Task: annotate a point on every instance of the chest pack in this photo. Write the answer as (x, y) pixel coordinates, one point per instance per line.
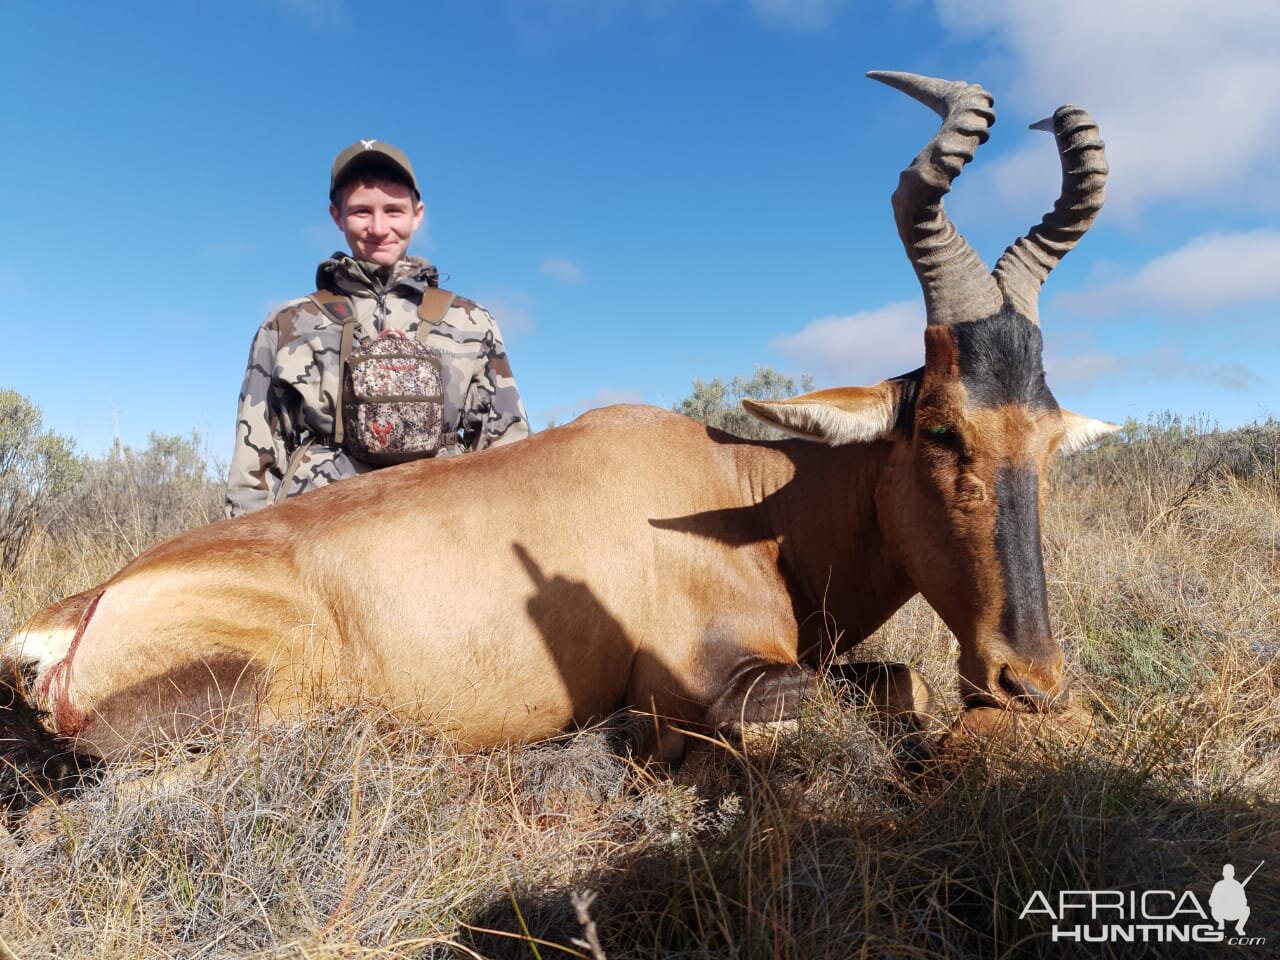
(390, 402)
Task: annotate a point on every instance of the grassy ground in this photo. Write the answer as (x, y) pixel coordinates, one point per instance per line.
(353, 835)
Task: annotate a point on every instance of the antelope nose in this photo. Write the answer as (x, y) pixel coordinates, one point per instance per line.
(1028, 693)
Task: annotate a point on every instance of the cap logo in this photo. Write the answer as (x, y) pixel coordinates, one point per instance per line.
(368, 144)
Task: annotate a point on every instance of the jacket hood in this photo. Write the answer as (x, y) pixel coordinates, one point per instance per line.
(342, 273)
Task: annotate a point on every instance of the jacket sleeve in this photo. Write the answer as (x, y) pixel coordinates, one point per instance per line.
(493, 413)
(260, 453)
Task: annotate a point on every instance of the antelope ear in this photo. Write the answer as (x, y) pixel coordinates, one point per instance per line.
(835, 416)
(1082, 431)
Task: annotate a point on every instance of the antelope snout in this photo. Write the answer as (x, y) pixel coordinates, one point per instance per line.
(1008, 678)
(1041, 690)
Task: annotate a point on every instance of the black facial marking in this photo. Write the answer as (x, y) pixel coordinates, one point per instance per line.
(1000, 362)
(907, 400)
(1025, 617)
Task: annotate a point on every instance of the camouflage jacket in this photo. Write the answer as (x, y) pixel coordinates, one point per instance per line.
(284, 429)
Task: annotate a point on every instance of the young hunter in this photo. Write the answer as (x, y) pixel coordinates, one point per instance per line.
(378, 365)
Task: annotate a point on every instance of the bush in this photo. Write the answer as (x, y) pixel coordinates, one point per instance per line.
(35, 468)
(134, 498)
(720, 405)
(105, 512)
(1170, 465)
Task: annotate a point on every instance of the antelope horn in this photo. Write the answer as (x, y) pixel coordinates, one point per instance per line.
(956, 284)
(1024, 266)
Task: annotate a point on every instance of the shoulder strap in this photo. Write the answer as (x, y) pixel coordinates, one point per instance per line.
(336, 306)
(291, 468)
(339, 309)
(436, 302)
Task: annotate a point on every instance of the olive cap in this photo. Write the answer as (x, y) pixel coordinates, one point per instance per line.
(373, 153)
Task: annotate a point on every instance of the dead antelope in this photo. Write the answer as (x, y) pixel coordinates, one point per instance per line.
(631, 558)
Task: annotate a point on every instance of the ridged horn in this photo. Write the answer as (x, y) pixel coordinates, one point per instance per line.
(1024, 266)
(957, 286)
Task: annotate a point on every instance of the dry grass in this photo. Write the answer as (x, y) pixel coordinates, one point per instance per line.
(354, 835)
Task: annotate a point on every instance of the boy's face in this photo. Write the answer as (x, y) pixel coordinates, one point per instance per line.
(378, 218)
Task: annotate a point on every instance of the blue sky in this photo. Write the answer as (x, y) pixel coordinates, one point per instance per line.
(642, 191)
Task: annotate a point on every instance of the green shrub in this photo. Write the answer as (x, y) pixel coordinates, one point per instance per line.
(133, 498)
(719, 404)
(36, 467)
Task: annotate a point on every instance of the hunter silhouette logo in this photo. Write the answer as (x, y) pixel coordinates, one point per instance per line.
(1228, 901)
(1147, 916)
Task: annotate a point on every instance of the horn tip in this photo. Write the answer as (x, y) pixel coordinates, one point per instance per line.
(1062, 113)
(886, 76)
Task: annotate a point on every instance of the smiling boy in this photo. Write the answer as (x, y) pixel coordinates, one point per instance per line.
(289, 428)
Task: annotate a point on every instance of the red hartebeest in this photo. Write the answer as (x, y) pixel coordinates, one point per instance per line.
(631, 558)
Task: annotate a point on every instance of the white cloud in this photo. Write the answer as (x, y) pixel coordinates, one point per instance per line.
(1211, 271)
(566, 271)
(1172, 363)
(864, 347)
(325, 15)
(1188, 98)
(604, 397)
(1088, 368)
(796, 14)
(229, 251)
(607, 396)
(323, 237)
(547, 22)
(1025, 181)
(512, 309)
(1162, 364)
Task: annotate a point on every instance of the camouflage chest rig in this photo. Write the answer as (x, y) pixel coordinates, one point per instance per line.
(390, 400)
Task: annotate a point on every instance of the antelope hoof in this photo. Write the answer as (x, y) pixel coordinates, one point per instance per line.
(900, 695)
